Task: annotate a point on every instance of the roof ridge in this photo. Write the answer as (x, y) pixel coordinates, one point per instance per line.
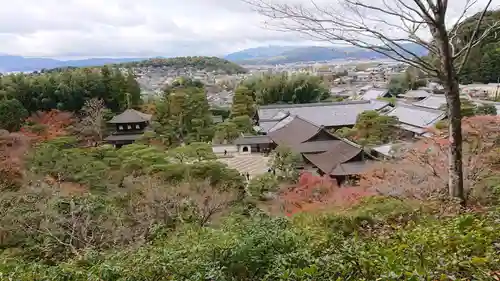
(423, 108)
(307, 121)
(270, 106)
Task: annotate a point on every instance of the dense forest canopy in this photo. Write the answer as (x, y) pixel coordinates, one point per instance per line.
(201, 63)
(284, 88)
(68, 89)
(483, 65)
(183, 114)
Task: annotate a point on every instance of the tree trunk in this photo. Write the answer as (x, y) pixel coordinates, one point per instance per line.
(452, 92)
(455, 169)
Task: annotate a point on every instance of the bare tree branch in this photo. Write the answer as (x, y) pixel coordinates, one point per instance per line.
(386, 27)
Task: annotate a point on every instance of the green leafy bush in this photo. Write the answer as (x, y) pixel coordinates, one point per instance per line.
(261, 248)
(262, 184)
(12, 115)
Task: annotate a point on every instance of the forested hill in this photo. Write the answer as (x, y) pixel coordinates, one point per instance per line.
(198, 63)
(484, 62)
(22, 64)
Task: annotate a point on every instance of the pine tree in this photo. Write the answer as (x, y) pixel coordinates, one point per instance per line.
(243, 104)
(184, 115)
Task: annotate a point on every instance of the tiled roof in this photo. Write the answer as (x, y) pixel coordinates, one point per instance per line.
(415, 118)
(264, 127)
(432, 101)
(130, 116)
(353, 168)
(329, 160)
(253, 140)
(374, 94)
(326, 155)
(416, 94)
(293, 130)
(323, 114)
(315, 146)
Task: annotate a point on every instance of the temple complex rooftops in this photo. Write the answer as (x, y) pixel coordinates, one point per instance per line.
(327, 114)
(330, 154)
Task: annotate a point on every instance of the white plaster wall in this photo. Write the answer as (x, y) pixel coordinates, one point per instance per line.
(219, 149)
(249, 151)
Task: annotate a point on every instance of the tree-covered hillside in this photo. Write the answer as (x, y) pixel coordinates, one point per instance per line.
(484, 62)
(201, 63)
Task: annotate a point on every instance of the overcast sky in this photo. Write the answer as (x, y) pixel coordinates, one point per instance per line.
(92, 28)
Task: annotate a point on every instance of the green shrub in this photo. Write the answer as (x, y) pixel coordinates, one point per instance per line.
(260, 185)
(12, 115)
(262, 248)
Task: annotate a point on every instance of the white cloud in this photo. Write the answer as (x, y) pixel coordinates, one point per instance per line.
(62, 28)
(130, 28)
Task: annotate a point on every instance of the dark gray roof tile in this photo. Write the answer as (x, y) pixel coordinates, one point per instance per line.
(253, 140)
(324, 114)
(432, 101)
(130, 116)
(374, 94)
(294, 131)
(416, 118)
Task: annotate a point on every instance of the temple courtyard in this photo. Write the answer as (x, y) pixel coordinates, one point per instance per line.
(253, 164)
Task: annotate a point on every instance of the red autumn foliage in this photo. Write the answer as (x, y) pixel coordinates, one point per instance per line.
(13, 147)
(313, 193)
(422, 171)
(48, 125)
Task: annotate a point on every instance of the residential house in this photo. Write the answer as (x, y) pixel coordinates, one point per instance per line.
(362, 76)
(490, 90)
(439, 101)
(339, 92)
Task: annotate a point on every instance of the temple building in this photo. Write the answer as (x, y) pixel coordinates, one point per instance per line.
(321, 151)
(129, 127)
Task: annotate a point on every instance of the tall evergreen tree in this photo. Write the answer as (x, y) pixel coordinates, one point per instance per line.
(183, 116)
(243, 103)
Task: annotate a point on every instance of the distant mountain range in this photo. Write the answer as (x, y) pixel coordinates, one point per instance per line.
(290, 54)
(10, 63)
(261, 55)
